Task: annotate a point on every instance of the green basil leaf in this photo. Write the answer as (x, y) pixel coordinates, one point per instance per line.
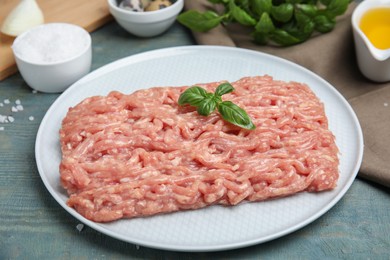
(223, 89)
(200, 22)
(282, 13)
(337, 7)
(192, 96)
(308, 9)
(323, 24)
(244, 4)
(240, 15)
(307, 30)
(304, 26)
(207, 102)
(295, 20)
(325, 2)
(261, 6)
(235, 115)
(265, 24)
(301, 18)
(284, 38)
(207, 106)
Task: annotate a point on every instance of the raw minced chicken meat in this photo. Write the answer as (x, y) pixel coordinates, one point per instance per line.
(142, 154)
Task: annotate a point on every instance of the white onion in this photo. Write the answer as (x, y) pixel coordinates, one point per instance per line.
(24, 16)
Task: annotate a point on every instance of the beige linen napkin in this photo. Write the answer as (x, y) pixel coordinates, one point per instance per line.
(332, 56)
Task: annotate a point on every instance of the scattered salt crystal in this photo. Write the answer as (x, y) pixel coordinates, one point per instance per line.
(34, 91)
(18, 107)
(1, 128)
(80, 227)
(3, 119)
(51, 43)
(385, 104)
(137, 247)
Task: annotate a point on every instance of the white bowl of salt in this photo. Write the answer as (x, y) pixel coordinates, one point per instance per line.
(52, 56)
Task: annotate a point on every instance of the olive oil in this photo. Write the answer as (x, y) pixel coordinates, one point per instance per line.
(375, 24)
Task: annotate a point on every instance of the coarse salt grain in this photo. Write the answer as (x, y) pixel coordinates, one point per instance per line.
(3, 119)
(79, 227)
(385, 104)
(1, 128)
(17, 108)
(51, 43)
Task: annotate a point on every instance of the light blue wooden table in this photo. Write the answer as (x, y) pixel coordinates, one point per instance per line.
(34, 226)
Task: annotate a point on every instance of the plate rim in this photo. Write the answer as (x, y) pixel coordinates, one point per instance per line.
(169, 51)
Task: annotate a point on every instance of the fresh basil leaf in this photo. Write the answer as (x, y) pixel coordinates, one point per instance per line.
(337, 7)
(223, 89)
(284, 38)
(265, 24)
(200, 22)
(207, 106)
(325, 2)
(244, 4)
(192, 96)
(282, 13)
(240, 15)
(308, 9)
(235, 115)
(207, 102)
(295, 19)
(323, 24)
(307, 30)
(261, 6)
(301, 18)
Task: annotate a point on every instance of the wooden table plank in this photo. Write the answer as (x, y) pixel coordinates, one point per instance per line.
(34, 226)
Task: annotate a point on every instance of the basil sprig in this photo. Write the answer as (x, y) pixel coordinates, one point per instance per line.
(283, 22)
(207, 102)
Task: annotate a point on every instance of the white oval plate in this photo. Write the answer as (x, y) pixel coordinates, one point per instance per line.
(217, 227)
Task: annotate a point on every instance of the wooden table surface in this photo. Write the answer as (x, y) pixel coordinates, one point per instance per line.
(34, 226)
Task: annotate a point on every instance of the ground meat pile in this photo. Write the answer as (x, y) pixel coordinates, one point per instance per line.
(142, 154)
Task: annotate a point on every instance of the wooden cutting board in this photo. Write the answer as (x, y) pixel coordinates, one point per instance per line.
(89, 14)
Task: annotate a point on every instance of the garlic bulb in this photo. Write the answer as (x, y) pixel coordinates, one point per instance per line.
(24, 16)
